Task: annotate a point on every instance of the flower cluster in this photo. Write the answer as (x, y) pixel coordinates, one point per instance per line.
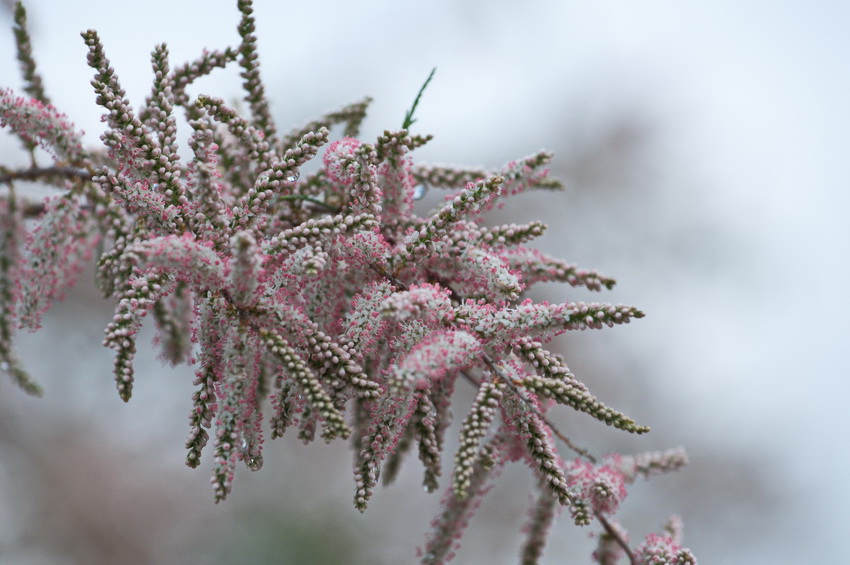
(321, 302)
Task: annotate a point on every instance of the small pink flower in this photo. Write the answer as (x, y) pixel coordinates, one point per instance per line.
(662, 550)
(602, 487)
(338, 158)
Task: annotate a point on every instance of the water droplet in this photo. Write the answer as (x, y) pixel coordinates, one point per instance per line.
(419, 191)
(293, 176)
(4, 365)
(254, 463)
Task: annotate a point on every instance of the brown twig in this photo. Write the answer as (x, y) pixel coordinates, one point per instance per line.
(611, 531)
(314, 201)
(38, 173)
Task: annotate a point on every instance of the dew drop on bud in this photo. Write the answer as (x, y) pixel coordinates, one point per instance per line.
(419, 191)
(293, 176)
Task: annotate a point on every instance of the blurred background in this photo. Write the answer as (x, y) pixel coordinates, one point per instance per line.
(705, 150)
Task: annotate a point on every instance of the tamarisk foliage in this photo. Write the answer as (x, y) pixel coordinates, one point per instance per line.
(321, 303)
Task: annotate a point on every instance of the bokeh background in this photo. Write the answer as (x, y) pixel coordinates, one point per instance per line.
(705, 149)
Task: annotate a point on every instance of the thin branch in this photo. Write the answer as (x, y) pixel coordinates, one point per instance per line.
(310, 200)
(471, 380)
(611, 531)
(537, 412)
(39, 173)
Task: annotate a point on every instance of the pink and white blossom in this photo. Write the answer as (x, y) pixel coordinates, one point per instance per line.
(326, 294)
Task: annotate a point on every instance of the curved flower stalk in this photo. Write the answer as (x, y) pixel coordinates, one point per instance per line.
(328, 295)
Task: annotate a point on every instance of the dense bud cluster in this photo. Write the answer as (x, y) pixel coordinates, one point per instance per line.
(317, 302)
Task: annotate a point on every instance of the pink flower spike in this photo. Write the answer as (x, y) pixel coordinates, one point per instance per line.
(35, 122)
(603, 487)
(439, 354)
(429, 302)
(661, 550)
(306, 285)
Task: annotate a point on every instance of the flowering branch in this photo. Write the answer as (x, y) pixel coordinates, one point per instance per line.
(328, 295)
